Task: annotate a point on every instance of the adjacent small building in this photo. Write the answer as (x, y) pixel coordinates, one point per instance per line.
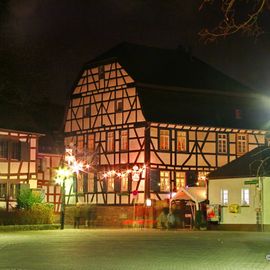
(18, 153)
(241, 190)
(28, 158)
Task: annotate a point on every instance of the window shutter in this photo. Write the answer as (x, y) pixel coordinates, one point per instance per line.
(192, 178)
(155, 180)
(117, 184)
(95, 183)
(25, 151)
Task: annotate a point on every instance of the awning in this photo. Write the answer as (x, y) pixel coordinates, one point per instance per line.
(196, 194)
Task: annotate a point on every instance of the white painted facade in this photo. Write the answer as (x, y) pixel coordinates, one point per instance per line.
(259, 200)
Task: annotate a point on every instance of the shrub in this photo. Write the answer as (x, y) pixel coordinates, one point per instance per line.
(27, 198)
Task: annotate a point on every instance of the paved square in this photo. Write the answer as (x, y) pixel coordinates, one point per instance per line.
(117, 249)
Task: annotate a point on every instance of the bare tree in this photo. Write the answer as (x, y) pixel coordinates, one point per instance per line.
(238, 16)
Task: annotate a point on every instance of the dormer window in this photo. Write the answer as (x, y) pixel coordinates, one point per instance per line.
(238, 114)
(101, 72)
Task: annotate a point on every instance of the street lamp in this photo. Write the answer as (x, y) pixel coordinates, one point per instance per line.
(62, 174)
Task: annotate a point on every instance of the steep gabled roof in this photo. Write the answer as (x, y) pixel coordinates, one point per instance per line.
(179, 89)
(169, 67)
(252, 164)
(15, 117)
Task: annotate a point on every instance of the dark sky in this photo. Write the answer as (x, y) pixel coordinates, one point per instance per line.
(45, 42)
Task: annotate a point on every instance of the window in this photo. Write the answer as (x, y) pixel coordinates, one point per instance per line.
(124, 182)
(165, 181)
(3, 190)
(14, 191)
(180, 180)
(164, 139)
(110, 183)
(181, 141)
(110, 141)
(119, 106)
(14, 149)
(202, 179)
(87, 111)
(90, 182)
(238, 114)
(124, 140)
(91, 142)
(224, 197)
(3, 148)
(245, 196)
(222, 143)
(242, 145)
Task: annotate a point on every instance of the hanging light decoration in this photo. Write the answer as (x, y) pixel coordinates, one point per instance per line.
(135, 172)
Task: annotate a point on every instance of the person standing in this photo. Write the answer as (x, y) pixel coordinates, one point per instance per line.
(77, 216)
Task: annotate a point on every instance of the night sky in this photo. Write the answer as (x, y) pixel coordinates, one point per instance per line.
(44, 43)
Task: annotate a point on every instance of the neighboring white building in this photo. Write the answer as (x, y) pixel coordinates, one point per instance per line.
(241, 188)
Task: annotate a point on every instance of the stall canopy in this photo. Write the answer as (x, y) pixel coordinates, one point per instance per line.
(195, 194)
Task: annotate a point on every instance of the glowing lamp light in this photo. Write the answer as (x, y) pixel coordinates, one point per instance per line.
(62, 174)
(135, 168)
(148, 202)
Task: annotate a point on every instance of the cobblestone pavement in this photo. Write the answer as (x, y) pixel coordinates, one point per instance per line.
(134, 249)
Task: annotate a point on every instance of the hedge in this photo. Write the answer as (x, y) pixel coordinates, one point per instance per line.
(38, 214)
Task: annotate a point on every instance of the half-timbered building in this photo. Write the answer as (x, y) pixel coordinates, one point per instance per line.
(18, 151)
(155, 120)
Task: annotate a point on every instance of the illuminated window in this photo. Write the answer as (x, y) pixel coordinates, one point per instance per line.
(3, 190)
(165, 181)
(242, 144)
(224, 197)
(110, 141)
(222, 143)
(14, 191)
(91, 142)
(202, 178)
(124, 182)
(110, 183)
(164, 139)
(181, 141)
(180, 180)
(245, 196)
(90, 182)
(124, 139)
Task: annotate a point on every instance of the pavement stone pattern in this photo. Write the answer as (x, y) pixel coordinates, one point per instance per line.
(133, 249)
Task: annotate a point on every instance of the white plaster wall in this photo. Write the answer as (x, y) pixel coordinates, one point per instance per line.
(247, 214)
(266, 200)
